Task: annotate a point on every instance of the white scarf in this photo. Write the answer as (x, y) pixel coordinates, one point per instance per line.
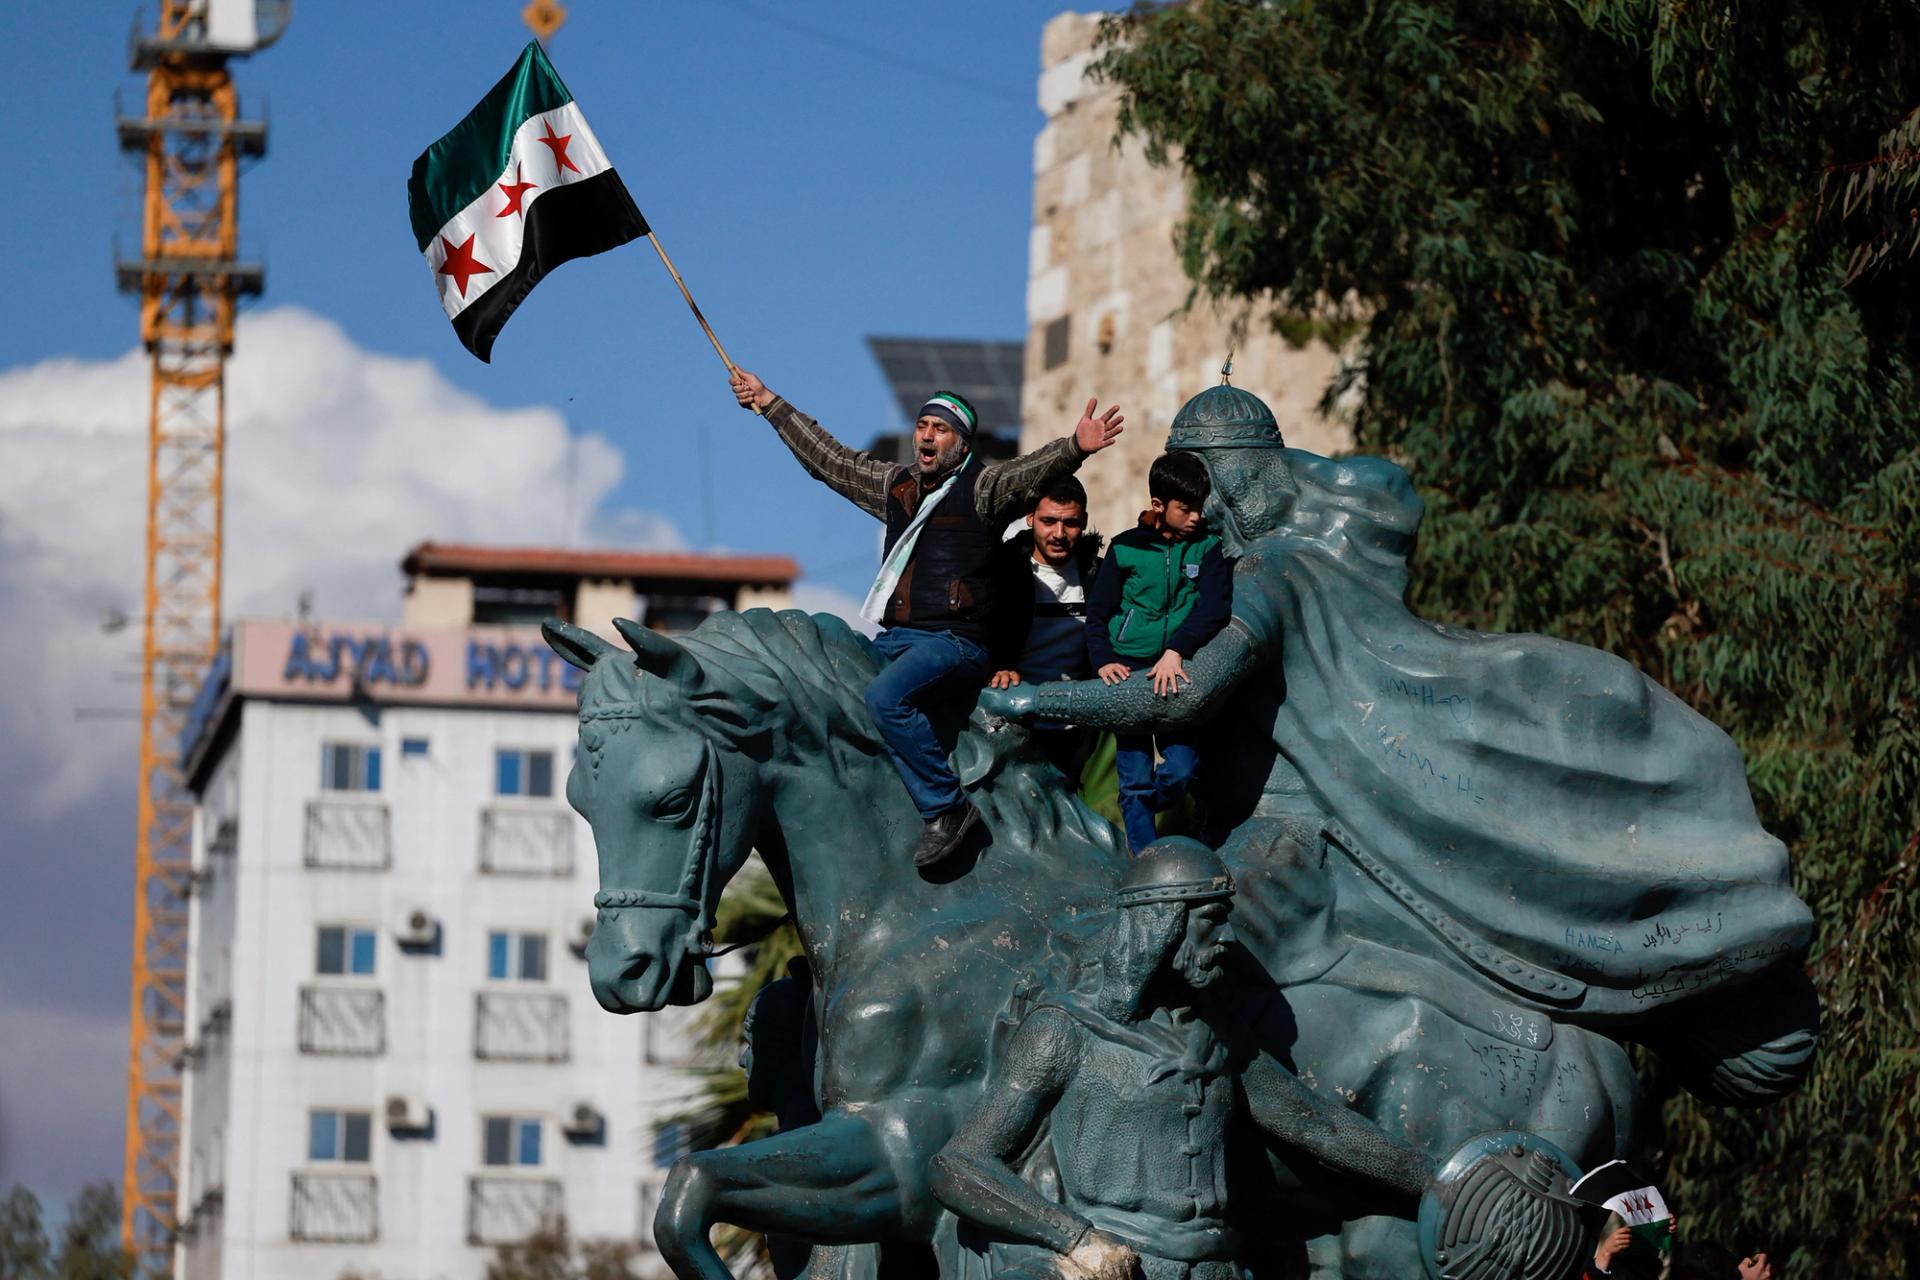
(874, 607)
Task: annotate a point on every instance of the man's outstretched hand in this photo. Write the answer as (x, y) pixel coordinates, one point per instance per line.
(750, 391)
(1094, 434)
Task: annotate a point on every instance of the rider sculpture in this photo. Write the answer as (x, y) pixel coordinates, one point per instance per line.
(1539, 814)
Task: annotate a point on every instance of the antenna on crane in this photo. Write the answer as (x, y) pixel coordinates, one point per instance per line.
(189, 278)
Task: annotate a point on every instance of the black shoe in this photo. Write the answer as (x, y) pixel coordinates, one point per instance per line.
(944, 834)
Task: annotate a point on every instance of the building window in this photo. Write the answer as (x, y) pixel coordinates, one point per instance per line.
(344, 949)
(516, 957)
(511, 1140)
(522, 773)
(340, 1136)
(413, 748)
(349, 767)
(669, 1144)
(1054, 344)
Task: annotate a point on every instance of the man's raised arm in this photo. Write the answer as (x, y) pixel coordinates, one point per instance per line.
(1008, 489)
(854, 474)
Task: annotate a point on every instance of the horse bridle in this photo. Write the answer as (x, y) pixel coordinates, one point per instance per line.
(693, 877)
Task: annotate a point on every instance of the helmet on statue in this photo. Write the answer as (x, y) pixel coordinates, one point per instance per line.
(1225, 417)
(1176, 869)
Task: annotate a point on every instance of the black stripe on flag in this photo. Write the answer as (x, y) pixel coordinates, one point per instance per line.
(572, 221)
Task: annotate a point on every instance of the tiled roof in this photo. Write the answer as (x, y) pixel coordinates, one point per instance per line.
(462, 559)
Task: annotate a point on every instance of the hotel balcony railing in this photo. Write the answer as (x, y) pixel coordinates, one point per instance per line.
(343, 1020)
(348, 835)
(335, 1208)
(520, 1026)
(526, 842)
(502, 1210)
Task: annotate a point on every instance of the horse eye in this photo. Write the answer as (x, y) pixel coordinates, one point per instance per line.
(674, 806)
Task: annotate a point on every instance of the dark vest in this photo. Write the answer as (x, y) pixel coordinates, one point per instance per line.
(949, 583)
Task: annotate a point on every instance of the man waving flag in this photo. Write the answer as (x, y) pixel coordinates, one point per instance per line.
(517, 188)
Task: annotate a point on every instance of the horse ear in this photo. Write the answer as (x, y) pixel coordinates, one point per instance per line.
(579, 647)
(657, 655)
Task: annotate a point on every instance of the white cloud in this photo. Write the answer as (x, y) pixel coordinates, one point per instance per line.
(338, 460)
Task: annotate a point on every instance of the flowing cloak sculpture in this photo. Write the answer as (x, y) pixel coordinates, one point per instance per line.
(1573, 809)
(1566, 826)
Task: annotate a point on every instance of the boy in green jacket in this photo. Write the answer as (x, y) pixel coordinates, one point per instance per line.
(1164, 592)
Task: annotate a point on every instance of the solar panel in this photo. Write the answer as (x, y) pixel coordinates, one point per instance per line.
(986, 373)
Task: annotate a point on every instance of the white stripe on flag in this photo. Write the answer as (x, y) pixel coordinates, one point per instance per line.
(496, 240)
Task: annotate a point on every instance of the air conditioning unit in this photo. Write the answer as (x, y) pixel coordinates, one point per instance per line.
(408, 1114)
(419, 929)
(582, 936)
(583, 1120)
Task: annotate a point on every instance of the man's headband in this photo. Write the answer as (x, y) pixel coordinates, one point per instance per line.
(952, 410)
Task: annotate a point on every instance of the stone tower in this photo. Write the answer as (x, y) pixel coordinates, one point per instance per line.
(1105, 292)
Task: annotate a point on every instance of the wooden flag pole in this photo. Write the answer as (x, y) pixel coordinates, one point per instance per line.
(691, 304)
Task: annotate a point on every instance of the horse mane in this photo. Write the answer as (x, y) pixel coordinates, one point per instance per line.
(808, 674)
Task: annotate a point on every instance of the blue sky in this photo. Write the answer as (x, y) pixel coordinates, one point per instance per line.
(813, 189)
(820, 172)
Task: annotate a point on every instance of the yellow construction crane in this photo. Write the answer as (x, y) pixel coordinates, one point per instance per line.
(189, 279)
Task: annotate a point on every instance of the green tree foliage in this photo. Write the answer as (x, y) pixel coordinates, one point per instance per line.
(89, 1247)
(1599, 252)
(721, 1113)
(24, 1252)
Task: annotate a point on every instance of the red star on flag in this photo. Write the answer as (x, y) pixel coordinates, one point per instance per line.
(461, 264)
(559, 148)
(514, 191)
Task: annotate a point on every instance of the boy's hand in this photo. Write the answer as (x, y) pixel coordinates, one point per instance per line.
(1094, 434)
(1004, 680)
(1115, 672)
(1168, 672)
(1756, 1268)
(750, 391)
(1612, 1247)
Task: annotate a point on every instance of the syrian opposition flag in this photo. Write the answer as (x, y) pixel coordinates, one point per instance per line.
(1616, 1185)
(517, 188)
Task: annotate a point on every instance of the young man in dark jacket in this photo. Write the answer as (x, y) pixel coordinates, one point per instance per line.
(935, 595)
(1043, 618)
(1164, 591)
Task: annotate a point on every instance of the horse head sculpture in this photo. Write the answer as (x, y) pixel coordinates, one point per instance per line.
(672, 821)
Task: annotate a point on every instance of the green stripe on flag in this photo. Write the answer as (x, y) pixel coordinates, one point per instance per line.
(457, 170)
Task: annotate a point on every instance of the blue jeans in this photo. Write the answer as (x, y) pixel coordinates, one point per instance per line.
(1145, 790)
(926, 671)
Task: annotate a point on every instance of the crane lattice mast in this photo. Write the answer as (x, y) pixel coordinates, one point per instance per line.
(189, 280)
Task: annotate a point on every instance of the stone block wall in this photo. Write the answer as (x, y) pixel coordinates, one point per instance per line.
(1105, 294)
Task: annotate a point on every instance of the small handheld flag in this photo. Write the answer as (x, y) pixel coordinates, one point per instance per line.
(518, 187)
(1616, 1186)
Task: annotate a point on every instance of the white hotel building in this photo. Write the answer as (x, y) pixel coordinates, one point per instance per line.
(395, 1062)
